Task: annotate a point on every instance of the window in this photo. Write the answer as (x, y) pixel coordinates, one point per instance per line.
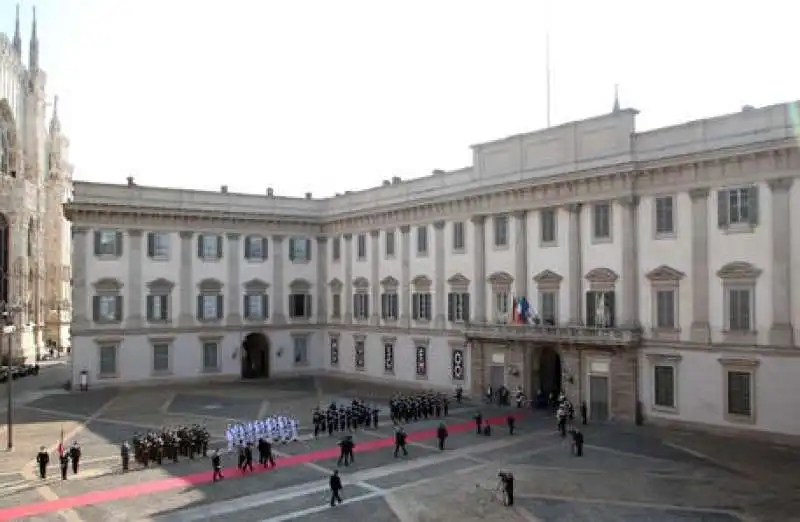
(389, 238)
(459, 244)
(739, 310)
(210, 307)
(300, 306)
(388, 355)
(458, 307)
(601, 221)
(739, 279)
(664, 386)
(107, 308)
(548, 309)
(161, 358)
(421, 302)
(158, 245)
(547, 226)
(209, 247)
(300, 350)
(665, 216)
(359, 355)
(501, 304)
(600, 309)
(336, 250)
(422, 240)
(336, 305)
(737, 207)
(500, 231)
(361, 305)
(739, 393)
(157, 308)
(665, 309)
(299, 250)
(361, 247)
(108, 360)
(210, 356)
(389, 306)
(255, 248)
(107, 243)
(256, 306)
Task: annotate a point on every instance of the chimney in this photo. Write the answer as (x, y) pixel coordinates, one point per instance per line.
(396, 180)
(438, 171)
(308, 195)
(270, 192)
(386, 183)
(224, 189)
(747, 108)
(131, 182)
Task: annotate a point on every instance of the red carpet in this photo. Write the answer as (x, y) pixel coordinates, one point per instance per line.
(110, 495)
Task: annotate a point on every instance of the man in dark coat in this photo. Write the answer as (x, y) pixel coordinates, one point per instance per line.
(336, 488)
(441, 434)
(42, 459)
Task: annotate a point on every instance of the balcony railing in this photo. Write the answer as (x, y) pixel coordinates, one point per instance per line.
(554, 334)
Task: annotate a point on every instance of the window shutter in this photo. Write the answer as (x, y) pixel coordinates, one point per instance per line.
(118, 308)
(151, 244)
(164, 307)
(291, 249)
(465, 306)
(200, 307)
(415, 306)
(366, 307)
(219, 247)
(247, 252)
(200, 241)
(97, 242)
(246, 306)
(264, 246)
(264, 303)
(752, 201)
(308, 250)
(96, 308)
(591, 308)
(451, 306)
(308, 305)
(384, 306)
(722, 208)
(220, 306)
(149, 304)
(118, 244)
(611, 308)
(291, 305)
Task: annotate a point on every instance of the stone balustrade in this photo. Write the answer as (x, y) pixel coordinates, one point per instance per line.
(553, 334)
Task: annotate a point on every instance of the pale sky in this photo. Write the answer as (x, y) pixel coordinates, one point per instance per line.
(332, 95)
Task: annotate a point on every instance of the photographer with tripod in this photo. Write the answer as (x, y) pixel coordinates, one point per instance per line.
(506, 485)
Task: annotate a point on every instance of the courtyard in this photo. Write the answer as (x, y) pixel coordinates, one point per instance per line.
(627, 473)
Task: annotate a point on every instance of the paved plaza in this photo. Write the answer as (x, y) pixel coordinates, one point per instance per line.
(627, 473)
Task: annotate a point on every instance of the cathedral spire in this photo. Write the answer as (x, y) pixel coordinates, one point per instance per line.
(17, 44)
(616, 98)
(55, 123)
(33, 57)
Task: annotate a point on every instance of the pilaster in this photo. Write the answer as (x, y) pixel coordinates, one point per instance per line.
(575, 281)
(234, 293)
(439, 276)
(187, 290)
(479, 262)
(781, 332)
(133, 308)
(348, 279)
(630, 270)
(80, 284)
(322, 279)
(521, 253)
(405, 276)
(700, 330)
(279, 294)
(374, 284)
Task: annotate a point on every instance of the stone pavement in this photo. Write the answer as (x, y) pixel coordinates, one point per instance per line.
(627, 473)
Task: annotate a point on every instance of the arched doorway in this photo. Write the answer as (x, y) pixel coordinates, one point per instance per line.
(550, 371)
(255, 356)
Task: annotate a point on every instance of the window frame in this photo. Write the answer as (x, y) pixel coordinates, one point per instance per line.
(500, 232)
(543, 241)
(206, 342)
(336, 249)
(742, 366)
(300, 339)
(154, 245)
(389, 360)
(99, 243)
(262, 244)
(665, 360)
(459, 229)
(422, 241)
(739, 276)
(161, 342)
(114, 345)
(658, 233)
(204, 250)
(389, 240)
(597, 209)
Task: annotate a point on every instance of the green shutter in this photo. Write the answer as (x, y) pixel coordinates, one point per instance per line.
(752, 201)
(722, 209)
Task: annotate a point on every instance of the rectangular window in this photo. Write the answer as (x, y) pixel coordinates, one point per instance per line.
(361, 306)
(389, 306)
(361, 247)
(458, 307)
(157, 308)
(107, 308)
(158, 245)
(389, 238)
(501, 231)
(300, 306)
(422, 240)
(421, 302)
(664, 386)
(501, 304)
(601, 221)
(336, 250)
(740, 394)
(665, 309)
(108, 243)
(255, 248)
(738, 206)
(336, 305)
(739, 314)
(458, 236)
(600, 309)
(209, 247)
(547, 223)
(161, 358)
(299, 249)
(256, 306)
(665, 216)
(210, 356)
(209, 307)
(422, 361)
(300, 350)
(548, 312)
(108, 360)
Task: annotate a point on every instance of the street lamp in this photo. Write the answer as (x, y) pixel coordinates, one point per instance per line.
(7, 312)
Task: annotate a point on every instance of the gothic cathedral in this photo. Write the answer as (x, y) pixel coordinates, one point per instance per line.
(35, 181)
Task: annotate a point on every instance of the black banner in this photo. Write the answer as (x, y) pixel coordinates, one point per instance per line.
(334, 351)
(457, 364)
(359, 353)
(388, 357)
(422, 361)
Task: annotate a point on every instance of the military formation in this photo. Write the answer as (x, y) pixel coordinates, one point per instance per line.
(405, 408)
(169, 444)
(345, 417)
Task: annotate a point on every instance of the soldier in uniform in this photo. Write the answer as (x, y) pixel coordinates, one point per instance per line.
(64, 461)
(400, 443)
(42, 459)
(317, 419)
(248, 457)
(441, 434)
(216, 464)
(125, 454)
(75, 456)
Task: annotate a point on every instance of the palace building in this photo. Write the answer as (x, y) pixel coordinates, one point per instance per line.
(659, 271)
(35, 182)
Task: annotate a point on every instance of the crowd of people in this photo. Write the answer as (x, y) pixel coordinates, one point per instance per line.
(411, 407)
(167, 444)
(275, 428)
(344, 417)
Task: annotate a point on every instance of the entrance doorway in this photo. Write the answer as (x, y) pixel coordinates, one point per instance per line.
(255, 356)
(550, 372)
(497, 377)
(598, 398)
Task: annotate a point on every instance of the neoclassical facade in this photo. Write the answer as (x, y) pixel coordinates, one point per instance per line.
(35, 181)
(659, 265)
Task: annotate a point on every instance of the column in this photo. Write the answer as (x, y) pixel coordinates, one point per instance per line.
(279, 292)
(348, 278)
(521, 253)
(322, 279)
(405, 276)
(374, 283)
(781, 333)
(700, 330)
(440, 303)
(80, 285)
(479, 262)
(135, 286)
(187, 290)
(233, 307)
(630, 270)
(575, 280)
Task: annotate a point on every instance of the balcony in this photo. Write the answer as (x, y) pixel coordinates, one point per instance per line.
(554, 334)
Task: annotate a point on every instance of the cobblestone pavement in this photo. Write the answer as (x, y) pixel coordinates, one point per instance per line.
(626, 473)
